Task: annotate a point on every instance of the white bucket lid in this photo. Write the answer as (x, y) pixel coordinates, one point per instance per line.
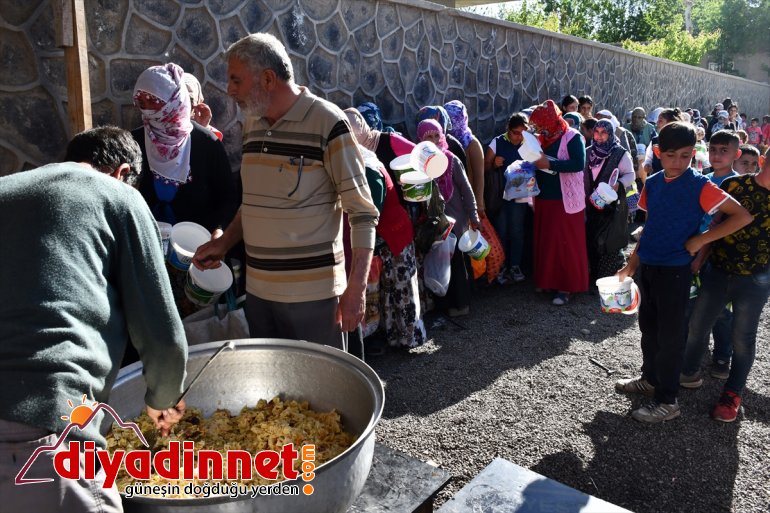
(213, 280)
(611, 284)
(401, 163)
(188, 236)
(436, 165)
(415, 178)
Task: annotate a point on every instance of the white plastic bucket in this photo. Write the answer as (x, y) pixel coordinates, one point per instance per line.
(416, 186)
(185, 239)
(530, 150)
(401, 165)
(428, 158)
(473, 243)
(618, 296)
(165, 235)
(204, 287)
(603, 195)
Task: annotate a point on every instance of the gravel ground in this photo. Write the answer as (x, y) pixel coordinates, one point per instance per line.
(515, 381)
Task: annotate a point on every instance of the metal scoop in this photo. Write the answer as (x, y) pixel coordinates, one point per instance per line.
(230, 344)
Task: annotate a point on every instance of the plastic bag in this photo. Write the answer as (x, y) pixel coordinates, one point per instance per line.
(214, 323)
(437, 268)
(520, 181)
(372, 315)
(479, 268)
(496, 257)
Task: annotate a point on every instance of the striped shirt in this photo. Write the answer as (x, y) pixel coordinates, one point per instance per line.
(298, 176)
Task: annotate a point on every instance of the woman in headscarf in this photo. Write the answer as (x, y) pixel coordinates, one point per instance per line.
(186, 174)
(399, 293)
(561, 261)
(608, 162)
(474, 152)
(461, 205)
(373, 116)
(625, 136)
(573, 119)
(387, 146)
(439, 113)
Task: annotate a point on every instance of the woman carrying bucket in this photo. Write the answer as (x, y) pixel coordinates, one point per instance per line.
(461, 205)
(186, 173)
(608, 173)
(561, 262)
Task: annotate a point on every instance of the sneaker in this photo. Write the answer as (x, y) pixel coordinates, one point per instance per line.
(637, 234)
(691, 381)
(727, 407)
(561, 298)
(655, 412)
(502, 278)
(459, 312)
(720, 369)
(635, 386)
(516, 274)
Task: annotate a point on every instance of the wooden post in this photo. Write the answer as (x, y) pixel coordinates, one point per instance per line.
(72, 25)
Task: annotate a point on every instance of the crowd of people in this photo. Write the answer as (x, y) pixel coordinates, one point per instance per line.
(321, 221)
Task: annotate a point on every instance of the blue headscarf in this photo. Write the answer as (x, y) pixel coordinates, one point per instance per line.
(372, 115)
(438, 113)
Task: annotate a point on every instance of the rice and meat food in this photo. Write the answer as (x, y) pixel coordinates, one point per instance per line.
(268, 426)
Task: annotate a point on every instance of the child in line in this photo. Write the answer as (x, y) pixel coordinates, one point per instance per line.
(738, 272)
(766, 130)
(748, 162)
(676, 201)
(723, 152)
(755, 133)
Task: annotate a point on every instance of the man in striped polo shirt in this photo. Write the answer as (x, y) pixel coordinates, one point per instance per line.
(301, 168)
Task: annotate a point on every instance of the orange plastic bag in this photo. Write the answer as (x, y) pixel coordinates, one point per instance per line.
(479, 268)
(496, 257)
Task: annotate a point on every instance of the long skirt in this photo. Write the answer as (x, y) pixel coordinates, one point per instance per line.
(400, 298)
(561, 259)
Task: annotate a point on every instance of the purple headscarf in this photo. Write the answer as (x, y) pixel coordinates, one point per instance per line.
(431, 126)
(458, 115)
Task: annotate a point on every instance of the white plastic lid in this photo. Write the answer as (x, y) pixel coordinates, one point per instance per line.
(415, 178)
(401, 163)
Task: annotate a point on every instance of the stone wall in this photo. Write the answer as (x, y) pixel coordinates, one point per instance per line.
(400, 54)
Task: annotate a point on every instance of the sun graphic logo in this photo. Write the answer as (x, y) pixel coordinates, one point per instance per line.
(81, 413)
(80, 417)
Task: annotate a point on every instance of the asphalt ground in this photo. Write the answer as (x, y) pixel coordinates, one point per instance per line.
(514, 379)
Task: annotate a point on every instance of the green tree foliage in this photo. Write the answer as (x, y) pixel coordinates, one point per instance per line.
(678, 45)
(722, 27)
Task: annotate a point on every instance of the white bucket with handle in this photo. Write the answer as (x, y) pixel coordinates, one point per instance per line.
(473, 243)
(428, 158)
(184, 241)
(603, 195)
(618, 296)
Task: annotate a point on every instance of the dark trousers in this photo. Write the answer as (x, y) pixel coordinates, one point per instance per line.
(459, 292)
(314, 321)
(665, 292)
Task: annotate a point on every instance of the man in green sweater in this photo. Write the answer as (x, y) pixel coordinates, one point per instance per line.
(82, 271)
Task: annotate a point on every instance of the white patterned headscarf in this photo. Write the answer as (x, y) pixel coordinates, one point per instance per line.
(167, 131)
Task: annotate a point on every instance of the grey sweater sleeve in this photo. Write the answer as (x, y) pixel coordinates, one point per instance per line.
(151, 317)
(463, 187)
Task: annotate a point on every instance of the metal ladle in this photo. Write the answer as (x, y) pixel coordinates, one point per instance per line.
(230, 344)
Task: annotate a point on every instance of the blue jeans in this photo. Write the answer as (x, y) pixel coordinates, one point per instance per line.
(722, 332)
(510, 228)
(748, 295)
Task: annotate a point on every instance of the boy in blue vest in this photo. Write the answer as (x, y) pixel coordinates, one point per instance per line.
(675, 199)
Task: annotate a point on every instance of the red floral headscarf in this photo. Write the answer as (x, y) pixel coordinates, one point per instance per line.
(548, 118)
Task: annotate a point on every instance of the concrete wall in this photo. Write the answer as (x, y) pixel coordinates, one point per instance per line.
(401, 54)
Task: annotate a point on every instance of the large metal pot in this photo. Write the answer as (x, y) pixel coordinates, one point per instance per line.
(261, 369)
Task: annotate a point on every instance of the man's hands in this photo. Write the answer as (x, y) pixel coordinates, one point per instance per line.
(351, 308)
(164, 419)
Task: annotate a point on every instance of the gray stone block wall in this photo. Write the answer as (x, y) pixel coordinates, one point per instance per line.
(399, 54)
